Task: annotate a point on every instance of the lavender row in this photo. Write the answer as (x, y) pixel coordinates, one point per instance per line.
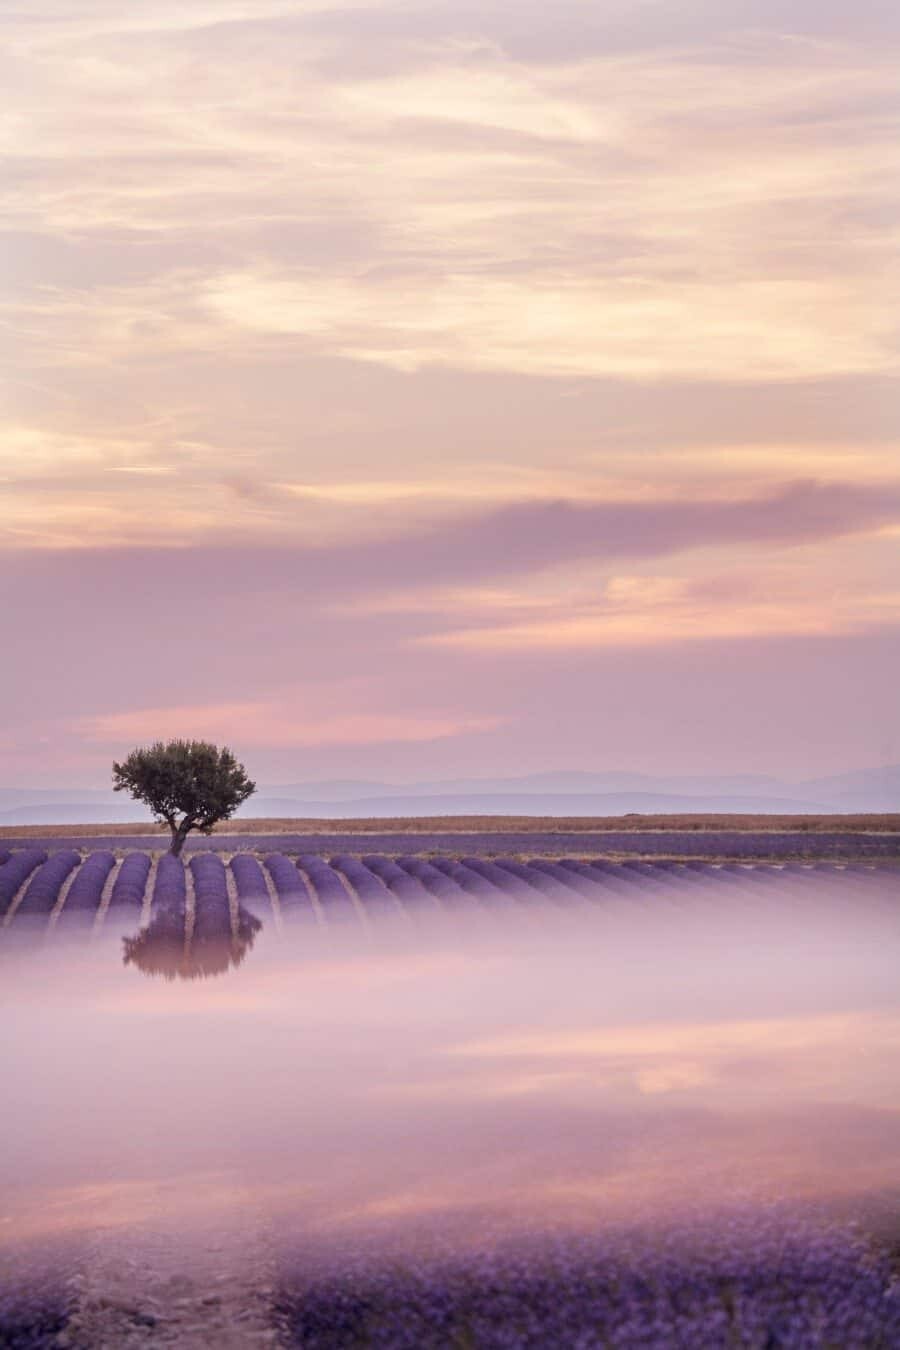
(131, 882)
(249, 880)
(407, 888)
(369, 888)
(448, 893)
(87, 888)
(43, 889)
(293, 896)
(738, 844)
(15, 870)
(212, 914)
(170, 887)
(329, 889)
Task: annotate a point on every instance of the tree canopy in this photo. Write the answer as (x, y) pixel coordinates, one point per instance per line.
(188, 785)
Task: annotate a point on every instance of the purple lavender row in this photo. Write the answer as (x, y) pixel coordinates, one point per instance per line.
(14, 872)
(5, 856)
(601, 883)
(448, 893)
(371, 890)
(293, 897)
(516, 887)
(131, 882)
(467, 880)
(407, 888)
(170, 887)
(566, 887)
(250, 884)
(544, 886)
(212, 913)
(327, 885)
(87, 888)
(43, 889)
(747, 845)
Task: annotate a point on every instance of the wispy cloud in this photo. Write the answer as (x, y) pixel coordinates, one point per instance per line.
(543, 324)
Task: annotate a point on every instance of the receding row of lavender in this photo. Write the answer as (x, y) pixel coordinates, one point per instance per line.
(847, 845)
(67, 883)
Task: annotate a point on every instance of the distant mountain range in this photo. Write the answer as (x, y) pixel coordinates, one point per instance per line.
(541, 794)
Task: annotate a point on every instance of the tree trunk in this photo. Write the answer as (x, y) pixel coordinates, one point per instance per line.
(179, 834)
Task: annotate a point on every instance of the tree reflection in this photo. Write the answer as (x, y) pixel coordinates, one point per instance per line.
(170, 947)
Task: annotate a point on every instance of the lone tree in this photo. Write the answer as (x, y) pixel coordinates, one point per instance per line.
(189, 785)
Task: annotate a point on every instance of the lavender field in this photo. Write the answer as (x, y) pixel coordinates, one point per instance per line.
(66, 885)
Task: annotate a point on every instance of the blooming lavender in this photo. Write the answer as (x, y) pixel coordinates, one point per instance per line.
(43, 889)
(447, 891)
(855, 848)
(505, 881)
(210, 892)
(249, 880)
(87, 888)
(765, 1281)
(371, 890)
(328, 886)
(578, 886)
(131, 882)
(538, 881)
(13, 872)
(407, 888)
(470, 882)
(293, 897)
(170, 888)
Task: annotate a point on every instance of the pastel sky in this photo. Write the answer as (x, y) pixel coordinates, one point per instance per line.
(410, 388)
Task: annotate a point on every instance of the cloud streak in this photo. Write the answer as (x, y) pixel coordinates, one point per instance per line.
(531, 536)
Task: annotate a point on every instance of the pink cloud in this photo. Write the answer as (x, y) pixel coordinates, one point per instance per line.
(280, 724)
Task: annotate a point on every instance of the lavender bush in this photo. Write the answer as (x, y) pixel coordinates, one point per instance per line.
(170, 888)
(447, 891)
(131, 882)
(44, 887)
(406, 887)
(14, 871)
(370, 889)
(87, 888)
(327, 884)
(290, 888)
(249, 880)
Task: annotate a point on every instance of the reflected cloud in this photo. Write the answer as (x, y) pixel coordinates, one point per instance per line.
(574, 1069)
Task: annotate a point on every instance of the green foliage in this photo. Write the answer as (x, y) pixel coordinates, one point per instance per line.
(189, 785)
